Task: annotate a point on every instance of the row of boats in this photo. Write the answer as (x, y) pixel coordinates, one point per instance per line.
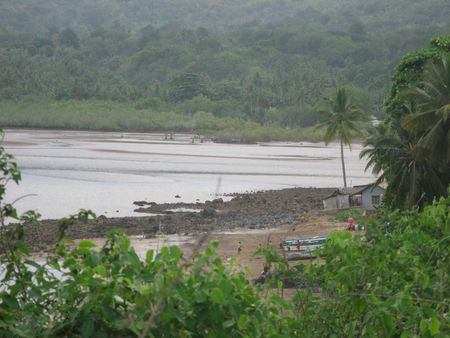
(302, 247)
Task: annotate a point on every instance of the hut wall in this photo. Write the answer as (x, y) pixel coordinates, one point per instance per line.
(371, 195)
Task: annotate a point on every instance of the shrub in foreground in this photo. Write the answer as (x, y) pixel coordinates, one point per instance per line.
(392, 282)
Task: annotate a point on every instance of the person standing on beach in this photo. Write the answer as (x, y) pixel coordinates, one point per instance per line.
(239, 247)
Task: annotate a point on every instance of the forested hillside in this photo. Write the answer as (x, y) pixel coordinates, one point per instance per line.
(267, 61)
(379, 15)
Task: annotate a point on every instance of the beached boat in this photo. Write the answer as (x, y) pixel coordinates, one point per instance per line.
(293, 253)
(304, 241)
(302, 247)
(297, 255)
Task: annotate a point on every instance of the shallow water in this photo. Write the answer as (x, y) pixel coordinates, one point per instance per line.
(65, 171)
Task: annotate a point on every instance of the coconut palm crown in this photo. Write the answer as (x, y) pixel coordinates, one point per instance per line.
(398, 159)
(431, 113)
(342, 120)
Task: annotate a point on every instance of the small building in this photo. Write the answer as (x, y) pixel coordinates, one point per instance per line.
(365, 196)
(370, 195)
(340, 199)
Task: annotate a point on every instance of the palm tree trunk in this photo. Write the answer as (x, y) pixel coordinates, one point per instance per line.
(343, 164)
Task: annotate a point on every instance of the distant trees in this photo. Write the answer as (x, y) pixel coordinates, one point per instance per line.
(357, 30)
(273, 74)
(147, 35)
(37, 15)
(69, 38)
(186, 86)
(342, 120)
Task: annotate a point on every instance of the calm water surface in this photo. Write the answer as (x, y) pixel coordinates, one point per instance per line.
(106, 172)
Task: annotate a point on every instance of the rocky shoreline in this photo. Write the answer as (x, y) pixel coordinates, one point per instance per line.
(266, 209)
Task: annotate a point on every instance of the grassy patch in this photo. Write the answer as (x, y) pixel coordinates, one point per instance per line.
(114, 116)
(343, 215)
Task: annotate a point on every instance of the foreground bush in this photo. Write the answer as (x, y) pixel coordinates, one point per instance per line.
(112, 292)
(393, 283)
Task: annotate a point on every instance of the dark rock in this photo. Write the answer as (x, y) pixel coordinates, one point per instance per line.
(260, 210)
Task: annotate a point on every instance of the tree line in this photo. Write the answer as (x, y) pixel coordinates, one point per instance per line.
(377, 15)
(274, 75)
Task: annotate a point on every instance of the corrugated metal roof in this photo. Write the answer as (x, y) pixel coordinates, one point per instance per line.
(343, 191)
(348, 191)
(361, 188)
(357, 189)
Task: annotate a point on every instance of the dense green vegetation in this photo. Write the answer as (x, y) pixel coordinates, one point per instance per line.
(410, 150)
(119, 116)
(379, 15)
(342, 216)
(392, 283)
(247, 70)
(266, 61)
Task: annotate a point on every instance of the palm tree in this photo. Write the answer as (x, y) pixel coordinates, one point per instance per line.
(343, 120)
(412, 179)
(431, 116)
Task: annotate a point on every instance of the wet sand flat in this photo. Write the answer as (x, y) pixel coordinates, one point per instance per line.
(106, 172)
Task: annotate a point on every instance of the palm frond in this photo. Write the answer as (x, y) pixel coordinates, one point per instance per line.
(419, 122)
